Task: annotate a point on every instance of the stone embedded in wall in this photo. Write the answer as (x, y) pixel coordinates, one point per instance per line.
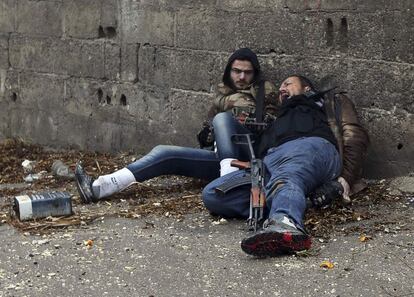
(326, 33)
(82, 96)
(366, 35)
(135, 113)
(398, 37)
(315, 68)
(4, 119)
(194, 105)
(129, 62)
(112, 61)
(146, 63)
(391, 136)
(109, 13)
(10, 86)
(3, 76)
(381, 84)
(251, 6)
(39, 18)
(82, 18)
(338, 5)
(103, 133)
(68, 57)
(73, 132)
(33, 107)
(315, 34)
(318, 67)
(276, 68)
(147, 26)
(192, 70)
(35, 125)
(117, 101)
(171, 5)
(376, 5)
(268, 32)
(301, 6)
(5, 131)
(207, 30)
(4, 52)
(186, 69)
(40, 91)
(7, 15)
(89, 103)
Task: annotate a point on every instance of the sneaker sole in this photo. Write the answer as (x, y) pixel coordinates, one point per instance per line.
(270, 244)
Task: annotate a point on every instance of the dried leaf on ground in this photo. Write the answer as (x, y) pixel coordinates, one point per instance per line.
(327, 264)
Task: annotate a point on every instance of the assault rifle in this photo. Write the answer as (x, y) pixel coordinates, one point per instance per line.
(257, 176)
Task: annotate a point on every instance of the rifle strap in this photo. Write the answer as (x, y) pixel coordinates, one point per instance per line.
(260, 98)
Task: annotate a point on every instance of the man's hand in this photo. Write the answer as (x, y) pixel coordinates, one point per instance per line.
(345, 195)
(241, 117)
(205, 135)
(326, 194)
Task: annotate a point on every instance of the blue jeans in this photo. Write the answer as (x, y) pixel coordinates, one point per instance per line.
(225, 125)
(192, 162)
(295, 168)
(168, 159)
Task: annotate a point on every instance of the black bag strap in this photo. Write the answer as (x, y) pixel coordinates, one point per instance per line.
(260, 98)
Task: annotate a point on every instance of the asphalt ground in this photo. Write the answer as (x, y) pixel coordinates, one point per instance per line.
(198, 256)
(157, 239)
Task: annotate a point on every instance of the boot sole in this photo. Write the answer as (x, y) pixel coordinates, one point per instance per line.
(81, 192)
(271, 244)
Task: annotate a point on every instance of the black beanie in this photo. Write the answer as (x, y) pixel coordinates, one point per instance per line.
(244, 54)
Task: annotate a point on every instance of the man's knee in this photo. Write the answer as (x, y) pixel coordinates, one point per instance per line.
(222, 117)
(210, 199)
(283, 186)
(163, 151)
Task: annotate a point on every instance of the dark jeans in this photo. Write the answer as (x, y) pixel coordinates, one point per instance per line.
(169, 159)
(300, 165)
(225, 126)
(193, 162)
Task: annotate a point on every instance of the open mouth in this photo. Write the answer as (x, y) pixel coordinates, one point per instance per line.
(283, 95)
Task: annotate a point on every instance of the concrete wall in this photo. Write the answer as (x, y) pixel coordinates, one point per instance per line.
(129, 74)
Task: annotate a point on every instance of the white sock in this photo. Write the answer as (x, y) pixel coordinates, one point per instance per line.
(225, 167)
(109, 184)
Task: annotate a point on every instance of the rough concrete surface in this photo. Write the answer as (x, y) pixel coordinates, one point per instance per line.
(160, 256)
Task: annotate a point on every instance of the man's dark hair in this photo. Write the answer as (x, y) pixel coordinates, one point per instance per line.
(243, 54)
(305, 82)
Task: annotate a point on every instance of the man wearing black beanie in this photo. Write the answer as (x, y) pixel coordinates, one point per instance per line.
(243, 93)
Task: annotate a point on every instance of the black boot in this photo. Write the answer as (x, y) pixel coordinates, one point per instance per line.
(280, 236)
(84, 184)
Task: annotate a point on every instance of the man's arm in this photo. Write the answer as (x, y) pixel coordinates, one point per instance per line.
(355, 141)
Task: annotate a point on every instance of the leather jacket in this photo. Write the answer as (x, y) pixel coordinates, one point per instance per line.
(352, 138)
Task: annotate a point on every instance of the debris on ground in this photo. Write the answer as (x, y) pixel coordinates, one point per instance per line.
(171, 196)
(327, 264)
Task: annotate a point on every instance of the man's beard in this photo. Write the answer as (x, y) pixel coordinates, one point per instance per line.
(241, 85)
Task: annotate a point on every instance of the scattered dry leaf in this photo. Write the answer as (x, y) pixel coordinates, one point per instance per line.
(364, 238)
(327, 264)
(88, 243)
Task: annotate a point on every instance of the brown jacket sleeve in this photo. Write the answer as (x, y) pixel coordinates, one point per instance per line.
(355, 140)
